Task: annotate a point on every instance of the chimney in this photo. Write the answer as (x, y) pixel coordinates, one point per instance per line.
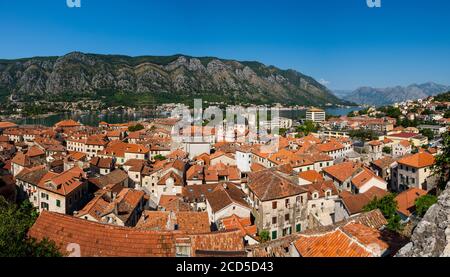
(225, 186)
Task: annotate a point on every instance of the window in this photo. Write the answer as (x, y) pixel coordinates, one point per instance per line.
(286, 217)
(286, 203)
(44, 206)
(274, 220)
(274, 234)
(183, 250)
(298, 228)
(274, 205)
(58, 203)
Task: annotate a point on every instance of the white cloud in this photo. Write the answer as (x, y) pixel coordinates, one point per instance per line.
(324, 82)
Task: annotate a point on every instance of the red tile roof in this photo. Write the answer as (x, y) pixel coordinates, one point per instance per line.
(356, 202)
(363, 177)
(35, 151)
(189, 222)
(235, 222)
(101, 240)
(406, 200)
(311, 176)
(270, 185)
(67, 124)
(342, 171)
(418, 160)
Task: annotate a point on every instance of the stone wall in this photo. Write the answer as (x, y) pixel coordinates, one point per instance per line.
(431, 237)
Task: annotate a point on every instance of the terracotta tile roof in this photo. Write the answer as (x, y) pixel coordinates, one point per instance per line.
(375, 143)
(384, 162)
(98, 140)
(342, 171)
(404, 135)
(195, 172)
(311, 176)
(270, 185)
(321, 187)
(214, 173)
(235, 222)
(369, 237)
(101, 162)
(405, 143)
(255, 167)
(197, 193)
(63, 183)
(189, 222)
(418, 160)
(224, 195)
(356, 202)
(363, 177)
(177, 154)
(122, 204)
(115, 148)
(330, 146)
(35, 151)
(32, 175)
(102, 240)
(77, 156)
(21, 159)
(67, 124)
(277, 248)
(136, 148)
(177, 179)
(173, 203)
(406, 200)
(218, 244)
(4, 125)
(333, 244)
(114, 177)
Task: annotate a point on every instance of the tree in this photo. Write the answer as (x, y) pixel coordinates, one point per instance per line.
(159, 157)
(442, 166)
(423, 203)
(264, 235)
(387, 150)
(283, 131)
(447, 114)
(391, 111)
(363, 134)
(388, 207)
(307, 128)
(427, 133)
(15, 221)
(136, 128)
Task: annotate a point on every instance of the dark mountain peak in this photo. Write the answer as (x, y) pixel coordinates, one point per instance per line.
(390, 95)
(165, 78)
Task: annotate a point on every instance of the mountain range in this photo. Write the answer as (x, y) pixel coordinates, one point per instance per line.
(120, 79)
(390, 95)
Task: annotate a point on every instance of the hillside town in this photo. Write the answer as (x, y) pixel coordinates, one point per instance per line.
(139, 189)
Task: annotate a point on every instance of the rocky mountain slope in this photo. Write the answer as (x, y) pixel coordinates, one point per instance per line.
(431, 237)
(164, 79)
(386, 96)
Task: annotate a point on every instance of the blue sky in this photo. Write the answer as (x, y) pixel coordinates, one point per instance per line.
(342, 42)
